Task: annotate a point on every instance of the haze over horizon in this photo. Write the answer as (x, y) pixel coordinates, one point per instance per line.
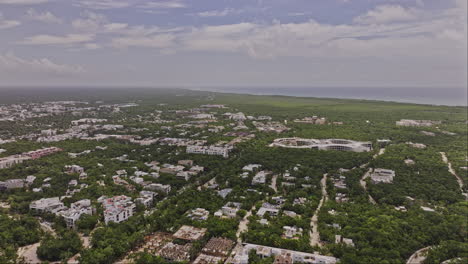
(190, 44)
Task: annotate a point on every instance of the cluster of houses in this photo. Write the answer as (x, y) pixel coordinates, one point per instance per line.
(17, 183)
(55, 206)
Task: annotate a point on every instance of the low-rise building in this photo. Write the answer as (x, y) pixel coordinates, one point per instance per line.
(242, 255)
(417, 123)
(218, 247)
(323, 144)
(229, 210)
(382, 176)
(198, 214)
(292, 232)
(260, 178)
(175, 253)
(47, 205)
(190, 233)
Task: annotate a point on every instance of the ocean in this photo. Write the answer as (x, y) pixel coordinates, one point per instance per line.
(432, 96)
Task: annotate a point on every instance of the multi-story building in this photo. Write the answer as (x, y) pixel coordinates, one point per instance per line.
(159, 187)
(117, 209)
(49, 205)
(146, 198)
(323, 144)
(76, 210)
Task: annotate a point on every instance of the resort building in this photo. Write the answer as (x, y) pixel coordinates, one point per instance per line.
(323, 144)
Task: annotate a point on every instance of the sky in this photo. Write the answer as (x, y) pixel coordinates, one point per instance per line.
(200, 43)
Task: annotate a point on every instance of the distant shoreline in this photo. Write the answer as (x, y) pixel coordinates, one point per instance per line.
(416, 95)
(426, 96)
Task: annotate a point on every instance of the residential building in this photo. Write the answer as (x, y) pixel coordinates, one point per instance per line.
(229, 210)
(76, 210)
(47, 205)
(190, 233)
(117, 209)
(198, 214)
(382, 176)
(292, 232)
(146, 198)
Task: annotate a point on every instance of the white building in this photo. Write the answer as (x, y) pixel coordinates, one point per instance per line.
(323, 144)
(259, 178)
(291, 232)
(417, 123)
(242, 255)
(76, 210)
(229, 210)
(159, 187)
(49, 205)
(117, 209)
(209, 150)
(146, 198)
(382, 176)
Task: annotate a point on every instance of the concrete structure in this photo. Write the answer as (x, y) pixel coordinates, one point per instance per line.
(323, 144)
(218, 247)
(166, 189)
(41, 152)
(76, 210)
(382, 176)
(292, 232)
(312, 120)
(209, 150)
(242, 255)
(229, 210)
(117, 209)
(47, 205)
(260, 178)
(417, 123)
(190, 233)
(175, 253)
(146, 198)
(198, 214)
(9, 161)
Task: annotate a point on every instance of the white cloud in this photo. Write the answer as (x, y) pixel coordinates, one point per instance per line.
(57, 40)
(11, 63)
(5, 23)
(387, 14)
(103, 4)
(46, 17)
(162, 5)
(218, 13)
(157, 41)
(23, 2)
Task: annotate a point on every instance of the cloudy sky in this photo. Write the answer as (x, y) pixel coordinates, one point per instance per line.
(198, 43)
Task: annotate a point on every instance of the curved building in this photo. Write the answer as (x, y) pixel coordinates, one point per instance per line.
(323, 144)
